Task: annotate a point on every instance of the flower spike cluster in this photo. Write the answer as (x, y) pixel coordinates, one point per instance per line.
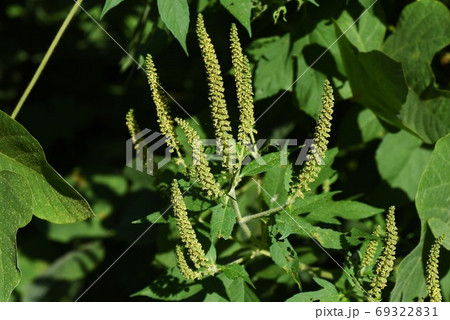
(316, 153)
(219, 112)
(166, 124)
(371, 249)
(200, 169)
(244, 89)
(385, 263)
(188, 238)
(433, 287)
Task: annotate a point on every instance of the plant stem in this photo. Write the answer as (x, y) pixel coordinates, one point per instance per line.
(46, 58)
(262, 214)
(235, 205)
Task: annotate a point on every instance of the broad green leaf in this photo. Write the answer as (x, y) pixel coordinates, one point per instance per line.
(401, 161)
(175, 14)
(368, 32)
(175, 287)
(71, 269)
(155, 217)
(432, 203)
(222, 222)
(328, 293)
(274, 184)
(274, 70)
(15, 213)
(235, 271)
(376, 80)
(288, 224)
(241, 10)
(284, 255)
(432, 199)
(109, 4)
(238, 290)
(262, 164)
(53, 198)
(369, 126)
(423, 29)
(428, 119)
(328, 211)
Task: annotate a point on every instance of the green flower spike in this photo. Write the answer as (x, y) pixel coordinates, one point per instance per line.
(187, 233)
(133, 127)
(219, 112)
(371, 249)
(166, 124)
(244, 90)
(316, 153)
(200, 169)
(385, 262)
(186, 271)
(433, 287)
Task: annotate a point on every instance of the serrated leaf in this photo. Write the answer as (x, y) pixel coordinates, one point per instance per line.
(238, 290)
(262, 164)
(175, 15)
(241, 10)
(53, 198)
(222, 222)
(15, 213)
(284, 255)
(109, 4)
(235, 271)
(401, 161)
(328, 293)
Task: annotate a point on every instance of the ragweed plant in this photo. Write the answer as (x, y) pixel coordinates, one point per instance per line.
(263, 204)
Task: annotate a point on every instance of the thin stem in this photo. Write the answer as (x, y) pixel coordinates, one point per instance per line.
(262, 214)
(46, 58)
(235, 205)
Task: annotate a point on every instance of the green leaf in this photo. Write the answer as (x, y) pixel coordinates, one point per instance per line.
(433, 208)
(171, 286)
(109, 4)
(175, 14)
(369, 126)
(274, 71)
(423, 29)
(291, 224)
(235, 271)
(241, 10)
(432, 199)
(70, 268)
(429, 119)
(383, 88)
(274, 184)
(401, 161)
(262, 164)
(350, 210)
(154, 217)
(53, 198)
(328, 293)
(222, 221)
(65, 233)
(15, 213)
(284, 255)
(238, 290)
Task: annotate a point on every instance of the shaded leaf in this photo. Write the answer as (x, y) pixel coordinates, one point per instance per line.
(241, 10)
(328, 293)
(53, 198)
(175, 15)
(109, 4)
(235, 271)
